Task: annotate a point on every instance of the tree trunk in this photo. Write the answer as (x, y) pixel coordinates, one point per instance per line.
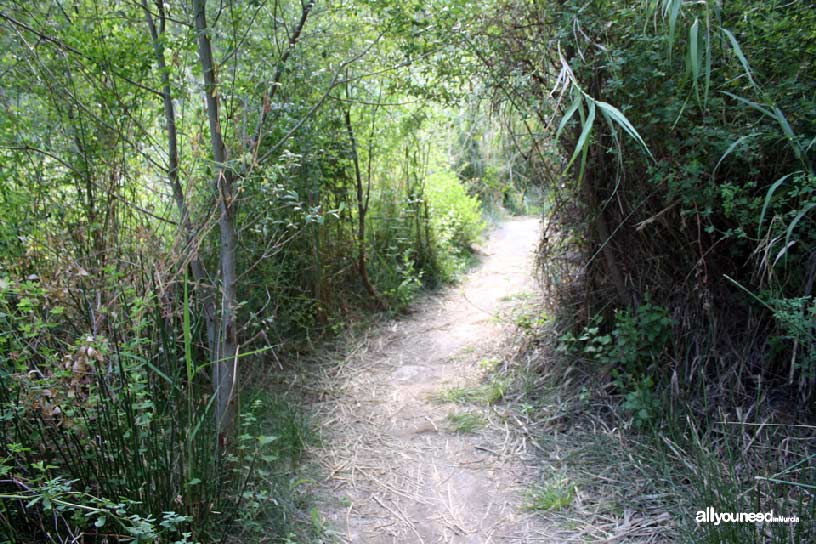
(602, 231)
(362, 209)
(224, 367)
(196, 265)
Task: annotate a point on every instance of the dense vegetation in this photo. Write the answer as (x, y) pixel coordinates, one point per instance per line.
(188, 191)
(194, 192)
(680, 143)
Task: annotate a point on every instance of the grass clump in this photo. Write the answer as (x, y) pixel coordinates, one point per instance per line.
(489, 393)
(554, 495)
(764, 469)
(466, 422)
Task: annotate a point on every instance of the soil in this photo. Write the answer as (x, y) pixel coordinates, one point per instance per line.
(397, 463)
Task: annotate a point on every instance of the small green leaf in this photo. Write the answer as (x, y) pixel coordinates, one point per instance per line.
(264, 440)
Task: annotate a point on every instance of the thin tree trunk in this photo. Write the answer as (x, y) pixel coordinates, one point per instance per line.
(272, 88)
(362, 209)
(602, 231)
(224, 368)
(196, 265)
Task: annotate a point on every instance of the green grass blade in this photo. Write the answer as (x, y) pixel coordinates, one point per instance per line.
(707, 85)
(674, 10)
(796, 220)
(788, 131)
(731, 148)
(750, 103)
(694, 56)
(188, 337)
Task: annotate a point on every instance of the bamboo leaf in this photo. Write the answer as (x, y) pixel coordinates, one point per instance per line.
(585, 146)
(707, 87)
(731, 148)
(751, 103)
(614, 113)
(738, 52)
(585, 132)
(788, 131)
(783, 122)
(568, 115)
(694, 33)
(770, 194)
(778, 116)
(796, 220)
(673, 6)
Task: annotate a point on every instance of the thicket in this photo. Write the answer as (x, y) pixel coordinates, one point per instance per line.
(679, 141)
(187, 192)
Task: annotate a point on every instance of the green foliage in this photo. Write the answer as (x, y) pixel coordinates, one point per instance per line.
(687, 130)
(410, 281)
(457, 218)
(456, 222)
(531, 322)
(110, 411)
(273, 438)
(721, 468)
(637, 347)
(636, 342)
(110, 254)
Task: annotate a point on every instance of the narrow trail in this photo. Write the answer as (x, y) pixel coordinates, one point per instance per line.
(394, 468)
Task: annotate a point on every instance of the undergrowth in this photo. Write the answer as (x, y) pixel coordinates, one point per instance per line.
(662, 463)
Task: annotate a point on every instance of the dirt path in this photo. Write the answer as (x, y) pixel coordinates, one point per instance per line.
(399, 461)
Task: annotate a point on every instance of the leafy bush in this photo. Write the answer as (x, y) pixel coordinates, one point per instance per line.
(637, 340)
(637, 349)
(456, 221)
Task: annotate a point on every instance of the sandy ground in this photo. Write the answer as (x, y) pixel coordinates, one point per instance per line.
(393, 468)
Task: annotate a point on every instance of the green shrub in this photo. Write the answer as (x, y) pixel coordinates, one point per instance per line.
(457, 216)
(456, 222)
(637, 348)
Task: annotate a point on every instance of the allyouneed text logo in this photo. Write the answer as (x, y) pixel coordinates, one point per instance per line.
(710, 515)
